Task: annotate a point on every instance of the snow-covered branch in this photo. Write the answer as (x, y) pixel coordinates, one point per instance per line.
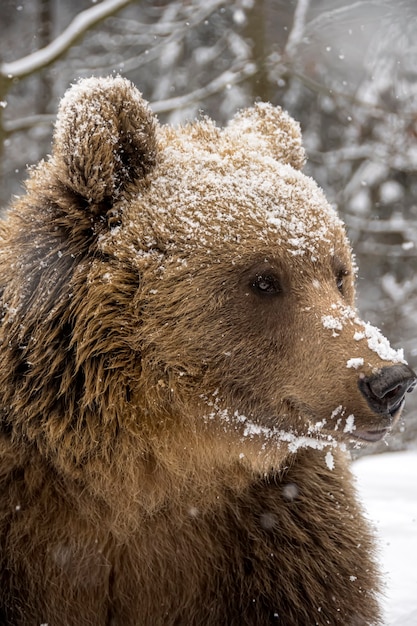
(297, 31)
(24, 123)
(229, 77)
(80, 24)
(336, 15)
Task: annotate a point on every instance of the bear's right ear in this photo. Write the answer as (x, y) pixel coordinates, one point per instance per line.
(274, 128)
(104, 138)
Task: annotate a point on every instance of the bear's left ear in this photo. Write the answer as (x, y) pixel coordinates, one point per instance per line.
(104, 138)
(275, 128)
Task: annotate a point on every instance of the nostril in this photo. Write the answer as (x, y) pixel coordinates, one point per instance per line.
(394, 394)
(385, 390)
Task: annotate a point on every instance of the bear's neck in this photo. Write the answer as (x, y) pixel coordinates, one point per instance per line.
(136, 481)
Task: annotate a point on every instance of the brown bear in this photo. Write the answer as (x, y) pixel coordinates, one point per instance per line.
(181, 370)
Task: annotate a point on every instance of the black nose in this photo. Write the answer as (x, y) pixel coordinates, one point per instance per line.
(385, 390)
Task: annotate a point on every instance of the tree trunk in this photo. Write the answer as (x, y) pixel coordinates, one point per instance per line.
(255, 31)
(44, 38)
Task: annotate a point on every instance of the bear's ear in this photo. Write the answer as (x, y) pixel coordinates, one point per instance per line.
(104, 138)
(272, 127)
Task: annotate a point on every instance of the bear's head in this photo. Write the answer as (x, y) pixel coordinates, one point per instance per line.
(188, 289)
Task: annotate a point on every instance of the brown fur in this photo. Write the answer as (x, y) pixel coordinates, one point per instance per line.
(167, 432)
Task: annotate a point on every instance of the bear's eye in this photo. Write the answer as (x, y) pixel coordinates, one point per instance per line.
(340, 279)
(266, 284)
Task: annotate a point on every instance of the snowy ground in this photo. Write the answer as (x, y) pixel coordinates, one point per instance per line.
(388, 486)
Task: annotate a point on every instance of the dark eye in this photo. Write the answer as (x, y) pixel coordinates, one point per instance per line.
(266, 284)
(340, 279)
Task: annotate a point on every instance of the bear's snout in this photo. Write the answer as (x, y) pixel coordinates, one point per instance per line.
(385, 390)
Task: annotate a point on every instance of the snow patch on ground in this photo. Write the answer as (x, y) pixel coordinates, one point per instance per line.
(387, 486)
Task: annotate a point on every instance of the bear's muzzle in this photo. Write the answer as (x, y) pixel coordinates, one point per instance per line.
(384, 393)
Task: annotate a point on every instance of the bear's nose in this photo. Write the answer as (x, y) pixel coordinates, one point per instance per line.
(385, 390)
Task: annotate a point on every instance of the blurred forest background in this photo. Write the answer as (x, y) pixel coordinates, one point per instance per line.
(346, 69)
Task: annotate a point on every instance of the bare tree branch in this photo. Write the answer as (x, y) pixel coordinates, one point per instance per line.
(194, 16)
(176, 34)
